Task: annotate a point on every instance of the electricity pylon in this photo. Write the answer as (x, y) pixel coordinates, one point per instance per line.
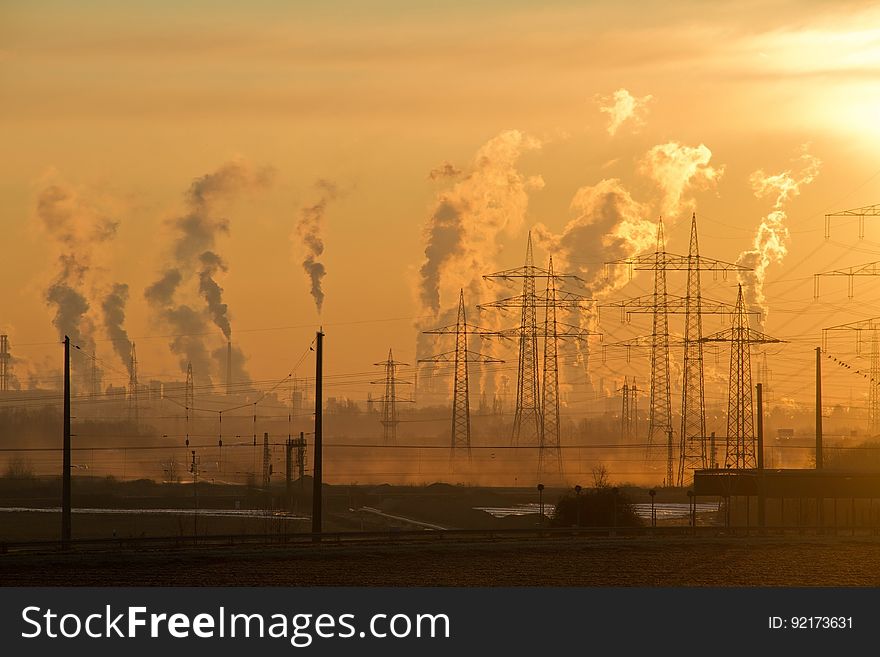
(740, 413)
(460, 357)
(132, 385)
(872, 327)
(693, 413)
(629, 412)
(528, 422)
(390, 400)
(861, 213)
(551, 300)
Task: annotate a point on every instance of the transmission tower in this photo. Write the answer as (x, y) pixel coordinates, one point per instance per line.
(527, 416)
(693, 306)
(861, 213)
(549, 447)
(133, 385)
(692, 445)
(189, 399)
(4, 363)
(390, 400)
(872, 327)
(460, 357)
(629, 410)
(740, 414)
(528, 421)
(551, 331)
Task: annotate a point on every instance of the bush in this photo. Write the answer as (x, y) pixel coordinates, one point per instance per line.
(599, 507)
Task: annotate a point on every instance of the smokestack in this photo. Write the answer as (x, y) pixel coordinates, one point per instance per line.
(229, 367)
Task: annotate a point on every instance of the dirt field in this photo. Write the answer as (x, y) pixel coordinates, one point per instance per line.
(803, 561)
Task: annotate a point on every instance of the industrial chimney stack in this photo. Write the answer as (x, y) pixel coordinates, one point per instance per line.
(229, 367)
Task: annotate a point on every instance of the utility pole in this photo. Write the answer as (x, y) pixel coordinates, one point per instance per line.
(194, 469)
(267, 465)
(819, 458)
(66, 464)
(317, 469)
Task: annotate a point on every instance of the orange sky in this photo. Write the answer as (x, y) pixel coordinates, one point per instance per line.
(124, 106)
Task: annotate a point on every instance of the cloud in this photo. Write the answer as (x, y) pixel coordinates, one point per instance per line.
(677, 169)
(622, 106)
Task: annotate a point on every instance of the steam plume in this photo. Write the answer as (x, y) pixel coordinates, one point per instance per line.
(77, 229)
(608, 225)
(769, 243)
(308, 229)
(114, 320)
(622, 106)
(212, 292)
(194, 258)
(676, 168)
(461, 235)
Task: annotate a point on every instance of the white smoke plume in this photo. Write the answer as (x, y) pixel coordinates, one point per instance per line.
(622, 106)
(461, 235)
(78, 229)
(771, 236)
(194, 265)
(608, 225)
(486, 201)
(676, 169)
(309, 231)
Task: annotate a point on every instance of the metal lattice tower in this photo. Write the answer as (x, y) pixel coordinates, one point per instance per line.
(629, 410)
(692, 444)
(874, 386)
(460, 357)
(551, 331)
(660, 404)
(4, 363)
(389, 400)
(740, 410)
(662, 304)
(133, 385)
(189, 398)
(529, 423)
(549, 447)
(527, 416)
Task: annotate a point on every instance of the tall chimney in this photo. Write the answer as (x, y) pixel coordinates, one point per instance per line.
(229, 367)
